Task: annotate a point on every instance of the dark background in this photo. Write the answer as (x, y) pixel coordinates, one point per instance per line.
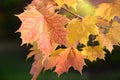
(13, 64)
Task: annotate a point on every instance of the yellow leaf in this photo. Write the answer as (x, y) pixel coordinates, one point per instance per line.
(79, 30)
(75, 31)
(104, 26)
(92, 53)
(108, 10)
(71, 3)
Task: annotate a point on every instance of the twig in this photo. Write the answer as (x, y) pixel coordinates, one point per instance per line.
(80, 17)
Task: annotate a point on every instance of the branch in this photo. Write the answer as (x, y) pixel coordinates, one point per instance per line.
(80, 17)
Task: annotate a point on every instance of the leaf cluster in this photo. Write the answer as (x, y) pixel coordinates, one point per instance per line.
(82, 27)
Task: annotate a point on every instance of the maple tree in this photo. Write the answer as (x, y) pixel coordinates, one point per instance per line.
(48, 24)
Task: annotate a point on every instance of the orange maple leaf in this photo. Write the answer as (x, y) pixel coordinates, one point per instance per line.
(64, 59)
(42, 29)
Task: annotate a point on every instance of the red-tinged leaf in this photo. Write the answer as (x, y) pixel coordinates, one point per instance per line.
(46, 29)
(56, 24)
(65, 59)
(38, 64)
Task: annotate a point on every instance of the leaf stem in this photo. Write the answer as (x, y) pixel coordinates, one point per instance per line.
(80, 17)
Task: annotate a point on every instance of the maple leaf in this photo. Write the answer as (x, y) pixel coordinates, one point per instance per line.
(54, 21)
(104, 26)
(57, 29)
(109, 33)
(71, 3)
(108, 10)
(45, 30)
(69, 57)
(112, 37)
(79, 30)
(89, 25)
(93, 52)
(40, 60)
